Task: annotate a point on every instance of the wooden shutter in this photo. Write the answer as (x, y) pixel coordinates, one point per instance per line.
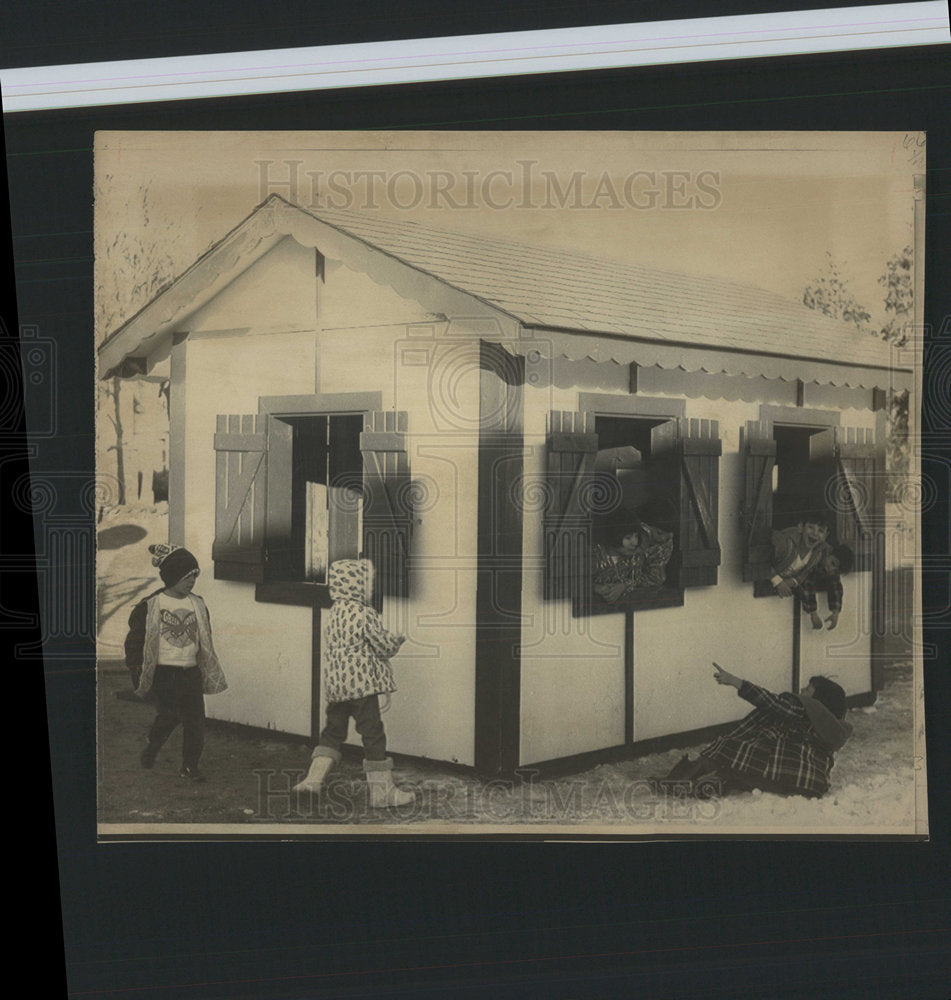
(847, 457)
(685, 456)
(567, 523)
(387, 501)
(758, 448)
(240, 497)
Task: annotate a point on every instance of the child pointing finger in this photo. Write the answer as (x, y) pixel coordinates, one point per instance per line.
(725, 677)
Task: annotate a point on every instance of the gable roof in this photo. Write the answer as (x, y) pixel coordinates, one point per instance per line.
(561, 290)
(541, 287)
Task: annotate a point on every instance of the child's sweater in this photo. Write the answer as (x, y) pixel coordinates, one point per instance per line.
(142, 643)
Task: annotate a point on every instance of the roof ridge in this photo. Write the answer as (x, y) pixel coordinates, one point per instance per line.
(556, 253)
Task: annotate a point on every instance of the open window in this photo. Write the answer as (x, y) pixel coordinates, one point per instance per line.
(295, 492)
(794, 471)
(315, 505)
(633, 510)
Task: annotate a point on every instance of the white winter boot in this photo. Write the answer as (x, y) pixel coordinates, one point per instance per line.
(383, 793)
(322, 761)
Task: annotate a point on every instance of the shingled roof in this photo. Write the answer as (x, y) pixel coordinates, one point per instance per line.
(563, 290)
(566, 291)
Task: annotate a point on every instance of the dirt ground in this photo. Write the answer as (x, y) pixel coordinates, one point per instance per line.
(249, 774)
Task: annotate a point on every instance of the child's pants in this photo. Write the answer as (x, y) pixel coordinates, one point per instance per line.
(366, 717)
(179, 697)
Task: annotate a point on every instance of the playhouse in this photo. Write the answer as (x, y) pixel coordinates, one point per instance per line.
(474, 415)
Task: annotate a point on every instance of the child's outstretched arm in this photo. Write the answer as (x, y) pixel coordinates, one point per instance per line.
(783, 587)
(722, 676)
(810, 604)
(784, 705)
(835, 601)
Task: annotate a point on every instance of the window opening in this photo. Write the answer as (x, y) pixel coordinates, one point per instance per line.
(799, 488)
(635, 521)
(326, 504)
(798, 484)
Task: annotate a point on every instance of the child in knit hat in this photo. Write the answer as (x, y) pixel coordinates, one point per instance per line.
(169, 650)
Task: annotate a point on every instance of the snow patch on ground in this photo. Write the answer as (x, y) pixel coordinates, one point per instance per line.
(873, 784)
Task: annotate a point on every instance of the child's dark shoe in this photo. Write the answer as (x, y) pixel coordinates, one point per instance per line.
(192, 773)
(691, 770)
(147, 758)
(684, 768)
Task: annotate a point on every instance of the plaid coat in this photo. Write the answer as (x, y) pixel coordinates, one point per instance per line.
(778, 745)
(816, 581)
(619, 572)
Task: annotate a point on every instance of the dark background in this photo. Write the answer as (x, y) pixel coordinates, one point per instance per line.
(44, 32)
(725, 918)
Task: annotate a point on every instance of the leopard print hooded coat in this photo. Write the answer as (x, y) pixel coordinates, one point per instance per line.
(358, 647)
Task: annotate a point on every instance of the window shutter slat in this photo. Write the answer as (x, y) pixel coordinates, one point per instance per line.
(687, 457)
(759, 450)
(853, 493)
(567, 522)
(387, 510)
(700, 465)
(240, 497)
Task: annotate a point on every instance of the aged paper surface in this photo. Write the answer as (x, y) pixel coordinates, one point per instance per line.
(443, 317)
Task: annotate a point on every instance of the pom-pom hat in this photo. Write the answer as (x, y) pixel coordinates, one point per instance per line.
(173, 562)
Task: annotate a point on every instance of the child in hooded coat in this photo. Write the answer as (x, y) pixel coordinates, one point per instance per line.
(356, 671)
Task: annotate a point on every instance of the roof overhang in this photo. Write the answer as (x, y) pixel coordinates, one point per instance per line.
(147, 337)
(539, 345)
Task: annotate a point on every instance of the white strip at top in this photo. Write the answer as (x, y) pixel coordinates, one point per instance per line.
(459, 57)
